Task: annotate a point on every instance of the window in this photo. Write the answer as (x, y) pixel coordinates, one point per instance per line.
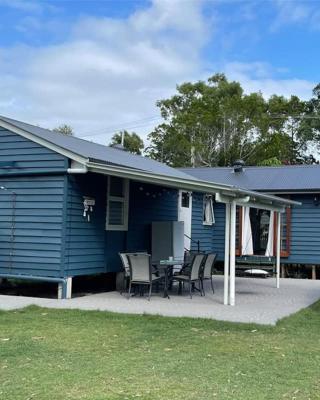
(185, 199)
(117, 204)
(238, 230)
(260, 222)
(285, 233)
(261, 229)
(208, 214)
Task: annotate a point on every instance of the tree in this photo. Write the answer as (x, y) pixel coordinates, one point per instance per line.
(64, 129)
(207, 123)
(132, 142)
(213, 123)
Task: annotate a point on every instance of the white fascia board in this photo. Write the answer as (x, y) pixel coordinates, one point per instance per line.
(43, 142)
(246, 202)
(165, 180)
(264, 206)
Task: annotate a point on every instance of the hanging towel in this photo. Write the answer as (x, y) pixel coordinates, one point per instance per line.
(269, 249)
(247, 243)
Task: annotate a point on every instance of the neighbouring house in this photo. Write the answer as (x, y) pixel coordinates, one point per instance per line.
(69, 206)
(300, 225)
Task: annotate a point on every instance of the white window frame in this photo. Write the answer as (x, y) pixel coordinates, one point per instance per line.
(124, 200)
(205, 197)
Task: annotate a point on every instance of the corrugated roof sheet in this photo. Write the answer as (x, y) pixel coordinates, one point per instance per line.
(98, 152)
(282, 178)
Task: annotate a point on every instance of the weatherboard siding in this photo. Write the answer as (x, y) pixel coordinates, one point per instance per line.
(211, 237)
(85, 247)
(19, 155)
(148, 203)
(305, 232)
(38, 234)
(92, 249)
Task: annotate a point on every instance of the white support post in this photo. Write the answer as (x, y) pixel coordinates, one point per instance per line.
(226, 255)
(278, 249)
(69, 288)
(232, 253)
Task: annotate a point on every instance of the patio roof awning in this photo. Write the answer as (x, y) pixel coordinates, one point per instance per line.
(225, 193)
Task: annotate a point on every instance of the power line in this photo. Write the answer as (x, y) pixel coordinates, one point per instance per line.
(118, 127)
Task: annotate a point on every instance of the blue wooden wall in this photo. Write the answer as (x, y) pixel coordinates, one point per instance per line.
(92, 249)
(51, 236)
(305, 231)
(38, 231)
(147, 203)
(27, 157)
(85, 247)
(211, 237)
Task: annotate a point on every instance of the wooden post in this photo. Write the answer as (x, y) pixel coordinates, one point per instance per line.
(232, 253)
(226, 255)
(314, 272)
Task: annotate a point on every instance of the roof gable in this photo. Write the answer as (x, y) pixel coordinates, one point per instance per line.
(82, 150)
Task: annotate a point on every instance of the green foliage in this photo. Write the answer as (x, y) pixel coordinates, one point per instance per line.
(51, 354)
(64, 129)
(214, 123)
(132, 142)
(270, 162)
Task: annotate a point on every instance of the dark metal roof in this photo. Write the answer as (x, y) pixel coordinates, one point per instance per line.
(98, 152)
(273, 179)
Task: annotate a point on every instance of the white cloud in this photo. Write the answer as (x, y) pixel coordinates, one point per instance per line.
(108, 72)
(296, 12)
(258, 76)
(111, 71)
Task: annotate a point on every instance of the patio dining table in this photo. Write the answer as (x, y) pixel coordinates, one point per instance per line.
(166, 266)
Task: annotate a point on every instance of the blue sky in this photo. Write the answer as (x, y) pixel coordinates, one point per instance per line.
(101, 65)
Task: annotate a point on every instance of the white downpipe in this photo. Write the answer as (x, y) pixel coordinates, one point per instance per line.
(226, 255)
(278, 249)
(232, 253)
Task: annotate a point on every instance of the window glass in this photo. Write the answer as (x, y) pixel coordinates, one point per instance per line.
(116, 213)
(117, 204)
(284, 232)
(185, 199)
(238, 229)
(116, 187)
(208, 214)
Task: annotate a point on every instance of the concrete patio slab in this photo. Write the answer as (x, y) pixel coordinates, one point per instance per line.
(257, 301)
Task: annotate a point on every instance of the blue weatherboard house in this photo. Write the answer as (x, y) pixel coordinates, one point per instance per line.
(300, 225)
(69, 206)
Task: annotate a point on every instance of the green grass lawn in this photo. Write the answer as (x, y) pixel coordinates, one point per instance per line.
(66, 354)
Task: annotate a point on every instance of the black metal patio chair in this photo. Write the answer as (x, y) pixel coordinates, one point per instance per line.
(141, 272)
(207, 270)
(126, 268)
(192, 275)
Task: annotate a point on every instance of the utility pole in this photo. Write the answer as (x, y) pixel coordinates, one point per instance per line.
(122, 138)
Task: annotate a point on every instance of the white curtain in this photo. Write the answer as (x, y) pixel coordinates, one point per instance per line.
(269, 249)
(208, 215)
(247, 244)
